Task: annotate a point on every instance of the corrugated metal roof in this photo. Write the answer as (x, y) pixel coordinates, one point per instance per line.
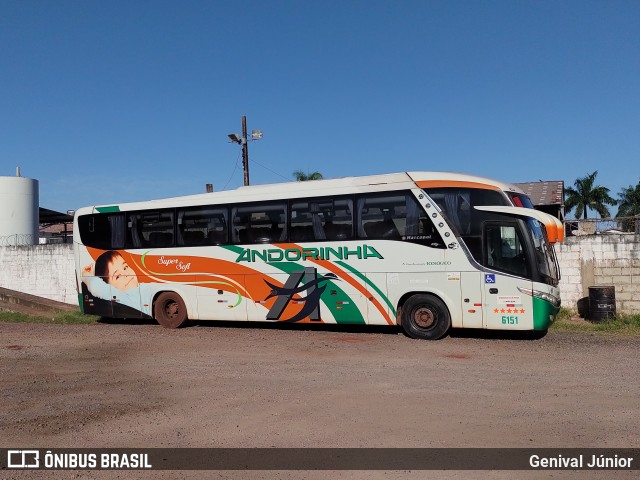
(544, 192)
(51, 216)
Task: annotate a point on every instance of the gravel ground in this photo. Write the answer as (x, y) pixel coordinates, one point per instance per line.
(222, 385)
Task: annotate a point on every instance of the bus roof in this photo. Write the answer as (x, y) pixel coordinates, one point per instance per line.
(311, 188)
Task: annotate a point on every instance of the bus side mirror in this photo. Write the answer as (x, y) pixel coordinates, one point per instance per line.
(552, 232)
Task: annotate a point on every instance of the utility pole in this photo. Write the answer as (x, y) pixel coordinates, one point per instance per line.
(245, 151)
(243, 141)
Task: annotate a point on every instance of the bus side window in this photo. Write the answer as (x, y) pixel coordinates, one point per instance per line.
(305, 221)
(338, 219)
(264, 222)
(457, 204)
(381, 216)
(153, 229)
(419, 227)
(105, 231)
(396, 216)
(321, 219)
(205, 225)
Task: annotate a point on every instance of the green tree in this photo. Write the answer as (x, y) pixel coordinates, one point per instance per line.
(586, 196)
(629, 205)
(300, 176)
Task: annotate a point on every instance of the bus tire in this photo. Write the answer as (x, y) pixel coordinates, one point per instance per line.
(169, 310)
(426, 317)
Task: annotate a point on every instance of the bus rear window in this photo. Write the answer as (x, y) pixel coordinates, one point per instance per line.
(103, 230)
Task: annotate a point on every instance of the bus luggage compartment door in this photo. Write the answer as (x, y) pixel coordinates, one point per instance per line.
(472, 301)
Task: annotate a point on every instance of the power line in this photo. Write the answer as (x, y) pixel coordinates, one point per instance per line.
(272, 171)
(234, 171)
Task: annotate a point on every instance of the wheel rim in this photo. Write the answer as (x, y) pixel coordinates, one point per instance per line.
(424, 317)
(171, 309)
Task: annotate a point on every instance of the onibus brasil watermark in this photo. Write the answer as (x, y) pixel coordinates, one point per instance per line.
(31, 459)
(320, 459)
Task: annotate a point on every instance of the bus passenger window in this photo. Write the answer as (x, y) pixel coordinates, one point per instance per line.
(321, 219)
(306, 224)
(206, 225)
(396, 216)
(381, 216)
(259, 223)
(150, 229)
(337, 219)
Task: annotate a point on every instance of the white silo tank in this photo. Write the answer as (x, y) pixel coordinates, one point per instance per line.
(19, 207)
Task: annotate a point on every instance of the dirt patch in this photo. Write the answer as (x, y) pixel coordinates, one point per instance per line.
(459, 356)
(126, 385)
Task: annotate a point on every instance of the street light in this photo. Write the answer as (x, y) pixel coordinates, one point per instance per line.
(235, 138)
(242, 141)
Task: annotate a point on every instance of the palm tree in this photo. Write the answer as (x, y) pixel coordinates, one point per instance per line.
(303, 177)
(587, 196)
(629, 201)
(629, 205)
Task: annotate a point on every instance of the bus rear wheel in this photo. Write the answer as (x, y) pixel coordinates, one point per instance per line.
(169, 310)
(426, 317)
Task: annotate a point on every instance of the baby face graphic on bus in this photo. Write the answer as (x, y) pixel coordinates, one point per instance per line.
(112, 279)
(114, 270)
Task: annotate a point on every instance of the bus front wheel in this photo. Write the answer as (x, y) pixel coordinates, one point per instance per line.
(425, 316)
(169, 310)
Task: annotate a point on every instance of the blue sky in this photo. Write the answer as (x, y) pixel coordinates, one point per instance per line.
(115, 101)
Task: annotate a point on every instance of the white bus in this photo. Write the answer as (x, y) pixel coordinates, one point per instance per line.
(425, 250)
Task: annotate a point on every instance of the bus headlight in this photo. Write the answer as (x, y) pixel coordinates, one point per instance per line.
(552, 299)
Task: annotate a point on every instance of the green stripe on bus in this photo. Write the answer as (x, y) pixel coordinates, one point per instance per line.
(233, 248)
(114, 208)
(348, 313)
(370, 283)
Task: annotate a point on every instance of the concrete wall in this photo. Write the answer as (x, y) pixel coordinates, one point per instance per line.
(592, 260)
(43, 270)
(48, 270)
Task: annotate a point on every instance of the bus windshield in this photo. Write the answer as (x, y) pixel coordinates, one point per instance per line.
(544, 253)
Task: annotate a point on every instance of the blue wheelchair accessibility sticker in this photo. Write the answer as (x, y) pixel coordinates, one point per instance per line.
(489, 278)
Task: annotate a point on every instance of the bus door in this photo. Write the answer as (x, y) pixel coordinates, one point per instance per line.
(508, 268)
(224, 300)
(377, 302)
(472, 299)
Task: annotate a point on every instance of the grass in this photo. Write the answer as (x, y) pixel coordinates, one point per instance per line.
(566, 321)
(569, 321)
(60, 317)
